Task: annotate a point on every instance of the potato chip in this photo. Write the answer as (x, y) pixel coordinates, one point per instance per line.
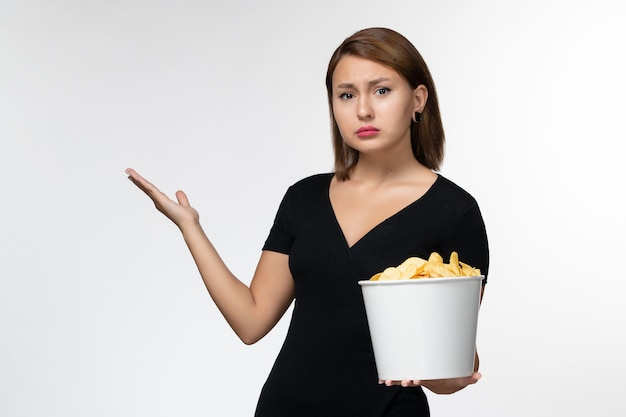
(435, 258)
(412, 267)
(390, 273)
(439, 271)
(468, 270)
(434, 267)
(454, 264)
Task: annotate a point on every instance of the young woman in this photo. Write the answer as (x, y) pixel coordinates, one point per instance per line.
(383, 203)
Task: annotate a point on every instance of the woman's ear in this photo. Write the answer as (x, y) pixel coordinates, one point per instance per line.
(421, 96)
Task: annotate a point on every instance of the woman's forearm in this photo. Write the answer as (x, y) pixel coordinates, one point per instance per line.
(253, 310)
(232, 297)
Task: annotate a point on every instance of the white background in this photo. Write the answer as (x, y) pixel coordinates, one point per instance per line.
(102, 312)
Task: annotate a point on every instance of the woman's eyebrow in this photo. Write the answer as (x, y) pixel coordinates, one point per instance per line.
(371, 83)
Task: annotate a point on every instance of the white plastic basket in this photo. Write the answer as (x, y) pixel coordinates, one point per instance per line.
(423, 328)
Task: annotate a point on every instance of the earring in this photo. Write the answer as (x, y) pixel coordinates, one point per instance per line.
(417, 117)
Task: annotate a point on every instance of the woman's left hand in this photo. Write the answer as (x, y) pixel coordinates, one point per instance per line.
(438, 386)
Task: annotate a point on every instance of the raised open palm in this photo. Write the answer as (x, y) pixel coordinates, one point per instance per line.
(181, 213)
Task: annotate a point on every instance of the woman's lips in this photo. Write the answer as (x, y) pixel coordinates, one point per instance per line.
(366, 131)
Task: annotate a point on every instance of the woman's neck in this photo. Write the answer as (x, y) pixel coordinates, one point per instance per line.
(389, 170)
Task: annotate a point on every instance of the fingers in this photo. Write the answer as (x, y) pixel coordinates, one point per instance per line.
(404, 382)
(144, 185)
(182, 198)
(132, 174)
(140, 181)
(152, 191)
(440, 386)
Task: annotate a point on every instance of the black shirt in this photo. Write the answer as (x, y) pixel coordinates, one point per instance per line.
(326, 365)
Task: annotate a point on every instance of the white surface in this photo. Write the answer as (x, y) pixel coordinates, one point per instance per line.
(102, 312)
(423, 328)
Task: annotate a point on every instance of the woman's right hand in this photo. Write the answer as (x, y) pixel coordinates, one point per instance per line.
(181, 213)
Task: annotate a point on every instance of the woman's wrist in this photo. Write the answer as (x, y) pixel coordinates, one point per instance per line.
(191, 228)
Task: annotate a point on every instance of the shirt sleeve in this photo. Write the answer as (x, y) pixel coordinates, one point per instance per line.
(280, 237)
(468, 237)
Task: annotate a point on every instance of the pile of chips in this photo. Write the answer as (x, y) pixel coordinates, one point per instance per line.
(434, 267)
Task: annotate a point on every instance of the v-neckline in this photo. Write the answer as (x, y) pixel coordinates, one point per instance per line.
(377, 225)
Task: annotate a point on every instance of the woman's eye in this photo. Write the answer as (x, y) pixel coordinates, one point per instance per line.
(346, 96)
(381, 91)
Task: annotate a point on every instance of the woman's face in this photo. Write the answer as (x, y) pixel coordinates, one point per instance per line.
(373, 105)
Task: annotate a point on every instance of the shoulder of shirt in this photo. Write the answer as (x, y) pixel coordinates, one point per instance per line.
(452, 189)
(443, 187)
(312, 181)
(308, 191)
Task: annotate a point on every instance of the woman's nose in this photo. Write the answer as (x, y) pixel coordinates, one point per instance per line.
(364, 109)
